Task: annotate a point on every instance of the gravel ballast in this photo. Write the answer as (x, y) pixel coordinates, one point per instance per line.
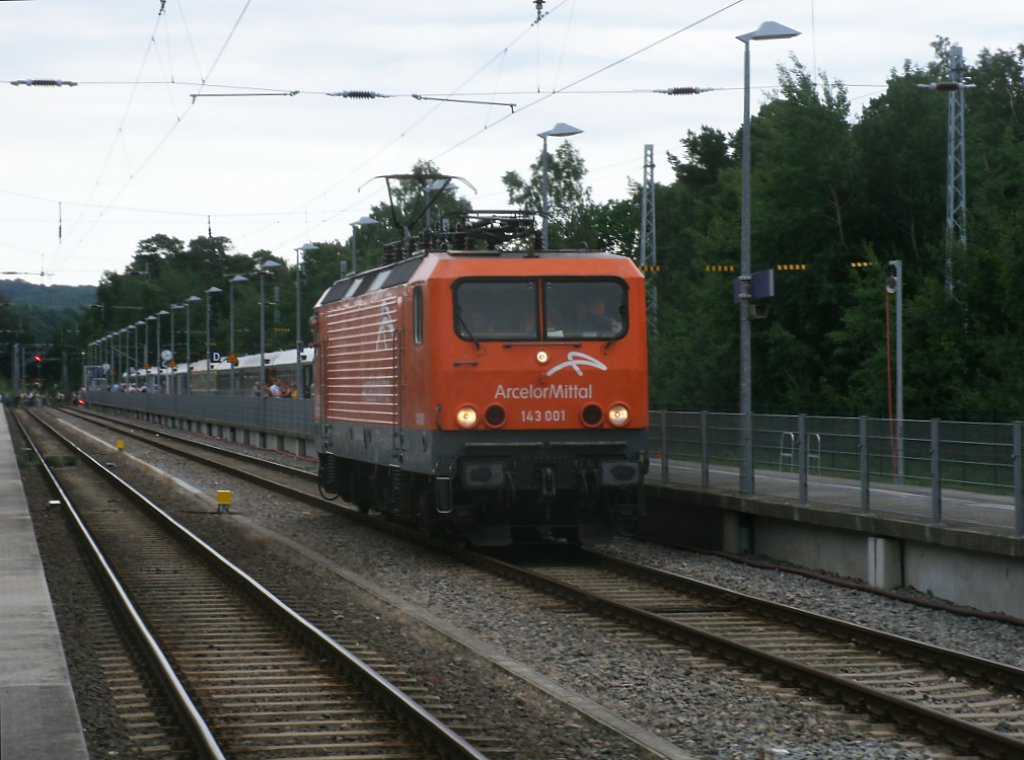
(704, 707)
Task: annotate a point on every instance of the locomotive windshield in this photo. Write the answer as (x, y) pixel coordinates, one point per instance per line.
(515, 309)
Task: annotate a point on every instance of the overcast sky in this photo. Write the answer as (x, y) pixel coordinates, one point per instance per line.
(87, 172)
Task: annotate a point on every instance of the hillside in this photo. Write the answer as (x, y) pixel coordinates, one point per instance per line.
(22, 294)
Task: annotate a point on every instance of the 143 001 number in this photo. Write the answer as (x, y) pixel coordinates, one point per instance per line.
(542, 415)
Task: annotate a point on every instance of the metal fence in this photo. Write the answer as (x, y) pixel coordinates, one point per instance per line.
(867, 463)
(944, 472)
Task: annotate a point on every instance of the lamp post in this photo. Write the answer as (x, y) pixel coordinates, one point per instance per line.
(304, 248)
(209, 355)
(127, 333)
(173, 383)
(436, 188)
(150, 318)
(561, 129)
(160, 350)
(264, 267)
(366, 220)
(121, 364)
(138, 324)
(769, 30)
(894, 285)
(126, 344)
(231, 325)
(188, 340)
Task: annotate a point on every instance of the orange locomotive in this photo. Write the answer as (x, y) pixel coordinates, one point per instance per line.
(502, 395)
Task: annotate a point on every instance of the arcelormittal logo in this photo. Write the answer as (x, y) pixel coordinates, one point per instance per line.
(577, 360)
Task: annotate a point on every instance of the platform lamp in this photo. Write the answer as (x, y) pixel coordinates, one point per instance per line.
(188, 340)
(174, 307)
(210, 291)
(138, 324)
(561, 129)
(769, 30)
(159, 350)
(265, 267)
(363, 222)
(231, 325)
(150, 318)
(304, 248)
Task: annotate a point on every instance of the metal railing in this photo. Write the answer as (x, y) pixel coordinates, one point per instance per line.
(945, 471)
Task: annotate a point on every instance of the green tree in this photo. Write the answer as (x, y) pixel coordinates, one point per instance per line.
(569, 199)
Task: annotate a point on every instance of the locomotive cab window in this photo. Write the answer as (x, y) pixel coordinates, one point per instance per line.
(496, 309)
(585, 308)
(573, 309)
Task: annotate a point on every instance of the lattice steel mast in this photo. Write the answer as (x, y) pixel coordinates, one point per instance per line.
(648, 238)
(956, 175)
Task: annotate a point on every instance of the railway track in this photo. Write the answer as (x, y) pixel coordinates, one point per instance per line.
(249, 677)
(969, 702)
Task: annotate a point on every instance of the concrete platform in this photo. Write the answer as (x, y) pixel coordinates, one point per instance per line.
(973, 558)
(38, 714)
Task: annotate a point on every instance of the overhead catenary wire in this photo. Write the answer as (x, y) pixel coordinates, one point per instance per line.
(441, 100)
(174, 126)
(596, 72)
(538, 100)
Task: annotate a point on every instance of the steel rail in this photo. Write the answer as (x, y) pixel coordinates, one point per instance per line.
(928, 720)
(192, 717)
(439, 736)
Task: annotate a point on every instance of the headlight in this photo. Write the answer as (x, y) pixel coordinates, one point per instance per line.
(618, 415)
(466, 417)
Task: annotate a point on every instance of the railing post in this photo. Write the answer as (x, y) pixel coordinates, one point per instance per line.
(801, 448)
(936, 471)
(1018, 482)
(865, 475)
(664, 446)
(705, 451)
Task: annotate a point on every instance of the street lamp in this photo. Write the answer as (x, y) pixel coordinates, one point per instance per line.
(126, 344)
(304, 248)
(188, 340)
(231, 326)
(150, 318)
(121, 355)
(209, 356)
(435, 189)
(263, 268)
(894, 285)
(160, 351)
(138, 324)
(769, 30)
(127, 332)
(561, 129)
(174, 307)
(366, 220)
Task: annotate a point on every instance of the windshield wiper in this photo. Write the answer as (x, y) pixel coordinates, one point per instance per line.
(465, 328)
